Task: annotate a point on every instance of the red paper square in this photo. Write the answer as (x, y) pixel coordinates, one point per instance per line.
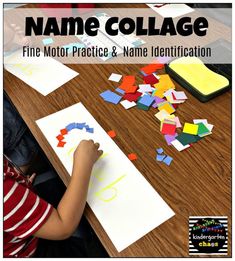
(132, 96)
(168, 129)
(150, 79)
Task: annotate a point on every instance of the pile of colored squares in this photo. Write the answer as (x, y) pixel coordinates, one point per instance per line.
(155, 91)
(68, 128)
(130, 93)
(162, 157)
(158, 91)
(192, 132)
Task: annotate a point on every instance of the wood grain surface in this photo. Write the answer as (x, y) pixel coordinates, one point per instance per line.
(198, 182)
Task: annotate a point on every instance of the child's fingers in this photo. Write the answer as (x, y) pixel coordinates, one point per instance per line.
(97, 145)
(100, 152)
(32, 177)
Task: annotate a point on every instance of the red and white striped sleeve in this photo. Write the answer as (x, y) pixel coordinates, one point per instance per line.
(24, 212)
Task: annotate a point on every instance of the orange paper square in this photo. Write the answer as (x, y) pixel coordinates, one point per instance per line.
(63, 131)
(112, 133)
(132, 156)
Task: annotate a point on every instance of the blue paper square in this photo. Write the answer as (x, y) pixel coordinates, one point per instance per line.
(160, 157)
(159, 151)
(111, 97)
(80, 126)
(71, 126)
(105, 94)
(90, 130)
(146, 100)
(120, 91)
(168, 160)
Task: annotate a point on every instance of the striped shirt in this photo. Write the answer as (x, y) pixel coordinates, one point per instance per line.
(24, 213)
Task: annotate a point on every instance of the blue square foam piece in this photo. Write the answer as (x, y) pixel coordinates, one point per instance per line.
(160, 150)
(146, 100)
(168, 160)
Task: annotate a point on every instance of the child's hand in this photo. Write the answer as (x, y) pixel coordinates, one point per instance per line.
(31, 178)
(86, 154)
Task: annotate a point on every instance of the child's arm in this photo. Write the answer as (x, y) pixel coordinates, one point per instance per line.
(64, 220)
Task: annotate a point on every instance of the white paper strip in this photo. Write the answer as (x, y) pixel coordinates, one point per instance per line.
(126, 205)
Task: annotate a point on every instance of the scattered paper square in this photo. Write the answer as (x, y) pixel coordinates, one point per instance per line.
(168, 160)
(178, 145)
(112, 134)
(204, 121)
(127, 104)
(64, 131)
(132, 96)
(146, 100)
(168, 127)
(151, 79)
(170, 138)
(160, 157)
(209, 126)
(190, 128)
(115, 77)
(177, 120)
(166, 106)
(145, 88)
(120, 91)
(132, 156)
(202, 129)
(185, 138)
(180, 95)
(161, 115)
(159, 150)
(111, 97)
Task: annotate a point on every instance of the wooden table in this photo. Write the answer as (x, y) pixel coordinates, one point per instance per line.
(198, 182)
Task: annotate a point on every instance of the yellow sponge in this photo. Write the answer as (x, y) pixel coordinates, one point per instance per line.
(193, 71)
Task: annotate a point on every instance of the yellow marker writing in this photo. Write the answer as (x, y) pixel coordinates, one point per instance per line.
(100, 193)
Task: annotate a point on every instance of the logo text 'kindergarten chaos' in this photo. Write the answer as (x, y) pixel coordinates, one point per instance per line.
(208, 235)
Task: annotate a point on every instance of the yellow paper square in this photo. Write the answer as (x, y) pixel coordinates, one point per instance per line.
(165, 83)
(167, 107)
(190, 128)
(161, 115)
(159, 93)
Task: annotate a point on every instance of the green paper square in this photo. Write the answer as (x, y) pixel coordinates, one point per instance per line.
(185, 138)
(202, 129)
